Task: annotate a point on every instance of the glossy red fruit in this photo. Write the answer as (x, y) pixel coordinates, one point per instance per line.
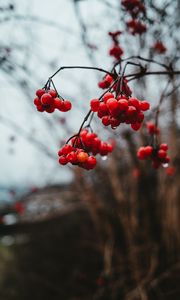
(91, 163)
(94, 104)
(37, 101)
(67, 105)
(123, 104)
(148, 150)
(161, 153)
(144, 105)
(113, 107)
(59, 104)
(40, 108)
(106, 120)
(164, 147)
(107, 96)
(53, 93)
(131, 111)
(47, 99)
(134, 102)
(82, 157)
(72, 157)
(40, 92)
(63, 160)
(103, 110)
(65, 150)
(136, 126)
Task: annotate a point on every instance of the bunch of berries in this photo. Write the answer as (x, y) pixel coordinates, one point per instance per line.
(114, 111)
(48, 100)
(82, 145)
(134, 7)
(116, 51)
(106, 82)
(152, 128)
(136, 27)
(158, 155)
(76, 156)
(159, 47)
(92, 143)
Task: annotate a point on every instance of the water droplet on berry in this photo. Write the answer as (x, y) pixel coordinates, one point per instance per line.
(104, 157)
(165, 165)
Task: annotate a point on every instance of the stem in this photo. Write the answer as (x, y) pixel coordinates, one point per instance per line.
(80, 67)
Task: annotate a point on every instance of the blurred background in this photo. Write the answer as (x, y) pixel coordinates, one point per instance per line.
(65, 233)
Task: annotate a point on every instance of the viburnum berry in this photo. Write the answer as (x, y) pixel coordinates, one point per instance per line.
(159, 47)
(152, 129)
(95, 104)
(158, 155)
(116, 51)
(144, 105)
(106, 82)
(48, 101)
(136, 27)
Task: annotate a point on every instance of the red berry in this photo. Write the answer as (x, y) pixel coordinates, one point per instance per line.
(37, 101)
(103, 110)
(148, 150)
(59, 104)
(72, 157)
(53, 93)
(94, 104)
(123, 104)
(107, 96)
(91, 163)
(141, 153)
(164, 147)
(82, 157)
(40, 92)
(114, 123)
(144, 105)
(40, 108)
(67, 105)
(63, 160)
(47, 99)
(136, 126)
(161, 154)
(109, 79)
(131, 111)
(106, 120)
(113, 105)
(65, 150)
(134, 102)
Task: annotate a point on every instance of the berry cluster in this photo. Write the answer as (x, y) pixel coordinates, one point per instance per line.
(152, 128)
(48, 100)
(92, 143)
(136, 27)
(159, 47)
(114, 111)
(106, 82)
(116, 51)
(76, 156)
(78, 153)
(134, 7)
(158, 155)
